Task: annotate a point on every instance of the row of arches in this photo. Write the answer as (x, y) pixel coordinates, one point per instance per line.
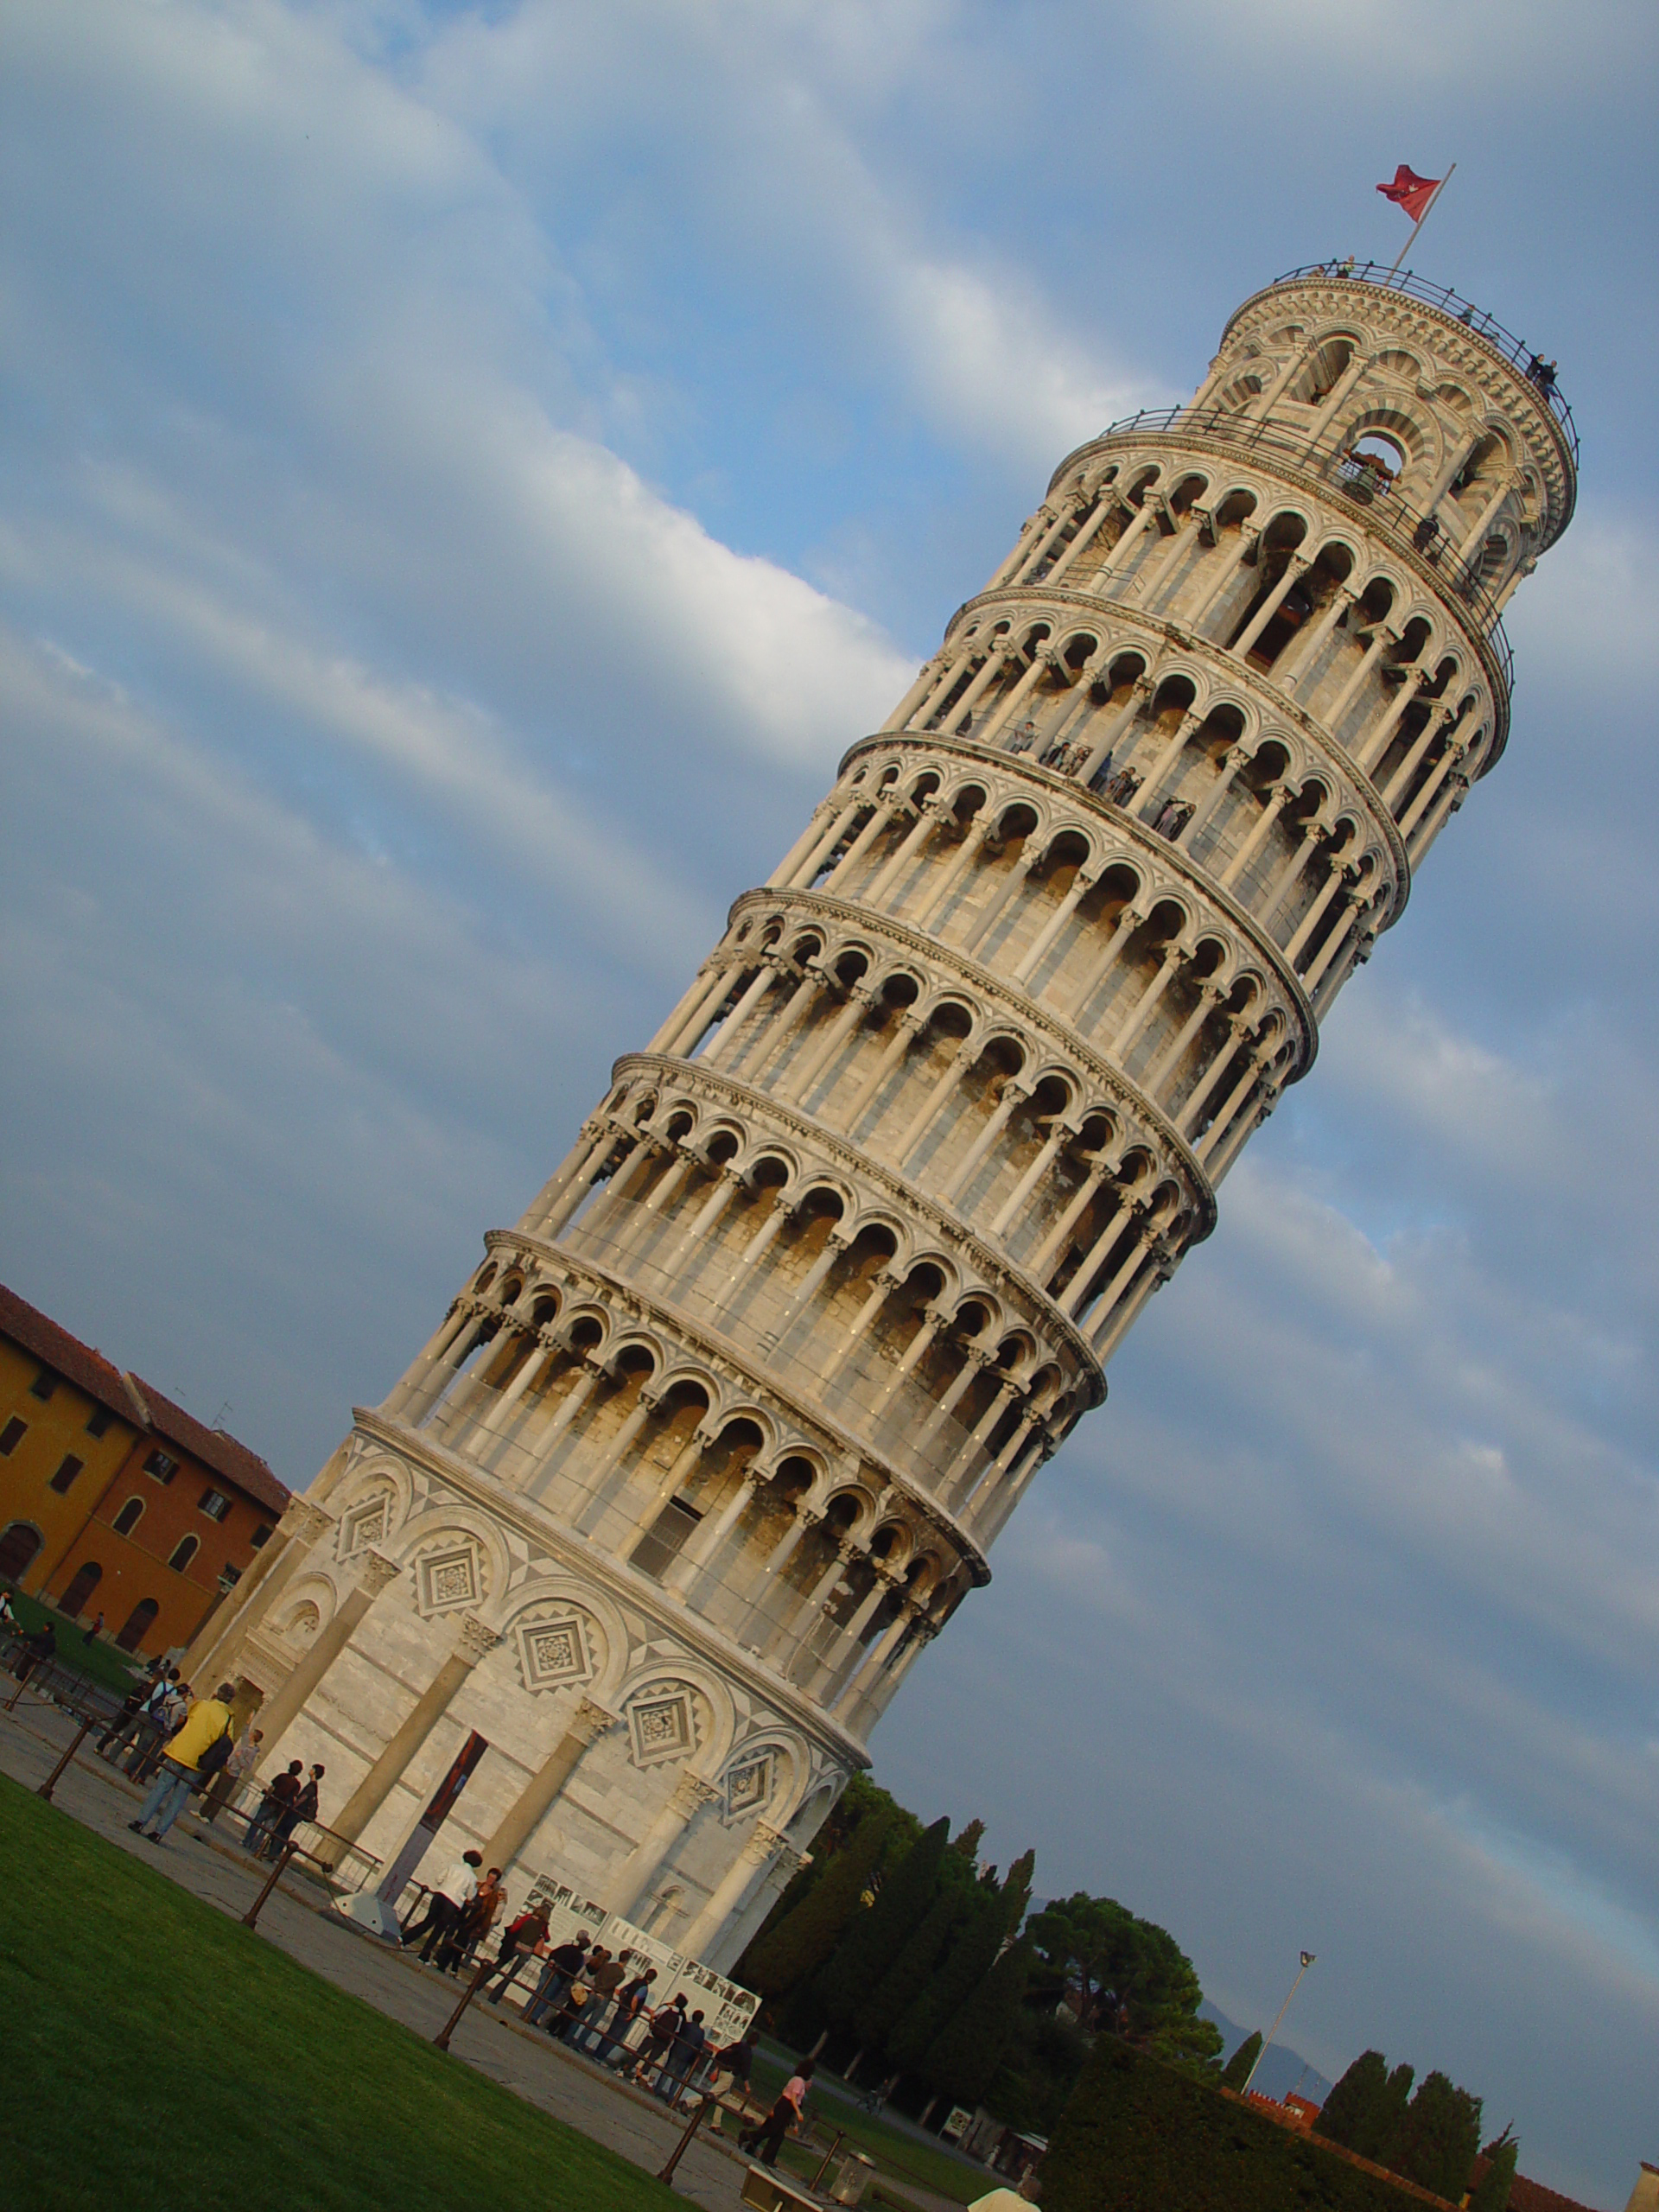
(990, 865)
(1281, 596)
(762, 1531)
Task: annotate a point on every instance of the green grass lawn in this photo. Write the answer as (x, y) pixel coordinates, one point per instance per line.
(158, 2058)
(102, 1662)
(898, 2156)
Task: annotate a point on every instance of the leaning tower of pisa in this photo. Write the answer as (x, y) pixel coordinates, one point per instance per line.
(719, 1435)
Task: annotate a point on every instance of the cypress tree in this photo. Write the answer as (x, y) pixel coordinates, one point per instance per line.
(1237, 2072)
(1353, 2107)
(966, 2054)
(979, 1934)
(1016, 1890)
(1437, 2138)
(781, 1957)
(912, 1974)
(1492, 2189)
(966, 1846)
(1390, 2119)
(872, 1940)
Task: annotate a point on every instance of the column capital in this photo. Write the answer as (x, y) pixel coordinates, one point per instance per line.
(375, 1571)
(303, 1522)
(475, 1641)
(690, 1793)
(764, 1842)
(590, 1721)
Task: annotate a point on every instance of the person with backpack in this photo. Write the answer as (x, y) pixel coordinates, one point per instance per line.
(520, 1939)
(564, 1962)
(664, 2026)
(125, 1727)
(685, 2056)
(163, 1716)
(190, 1759)
(610, 2037)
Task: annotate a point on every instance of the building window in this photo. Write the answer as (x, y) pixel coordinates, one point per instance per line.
(262, 1535)
(17, 1549)
(44, 1385)
(161, 1465)
(66, 1473)
(138, 1621)
(129, 1517)
(216, 1505)
(74, 1601)
(183, 1553)
(12, 1436)
(98, 1419)
(665, 1539)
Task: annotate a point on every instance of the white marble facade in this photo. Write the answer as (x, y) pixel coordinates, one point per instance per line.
(719, 1434)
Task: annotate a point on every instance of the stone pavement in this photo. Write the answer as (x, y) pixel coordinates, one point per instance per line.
(634, 2125)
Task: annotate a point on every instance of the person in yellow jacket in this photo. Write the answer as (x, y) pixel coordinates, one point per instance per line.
(207, 1723)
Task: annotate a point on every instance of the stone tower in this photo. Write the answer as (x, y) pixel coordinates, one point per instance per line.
(718, 1436)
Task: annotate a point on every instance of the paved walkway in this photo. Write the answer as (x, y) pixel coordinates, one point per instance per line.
(633, 2124)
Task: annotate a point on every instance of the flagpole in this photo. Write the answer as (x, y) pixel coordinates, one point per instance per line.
(1423, 218)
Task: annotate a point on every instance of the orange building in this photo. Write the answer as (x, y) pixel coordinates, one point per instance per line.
(113, 1500)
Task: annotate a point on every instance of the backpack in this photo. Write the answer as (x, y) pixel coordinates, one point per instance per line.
(218, 1753)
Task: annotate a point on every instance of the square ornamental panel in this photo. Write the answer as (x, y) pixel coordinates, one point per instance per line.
(663, 1725)
(748, 1785)
(448, 1580)
(552, 1653)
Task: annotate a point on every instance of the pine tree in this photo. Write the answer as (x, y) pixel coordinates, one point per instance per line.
(782, 1957)
(872, 1940)
(1237, 2072)
(966, 2055)
(1353, 2107)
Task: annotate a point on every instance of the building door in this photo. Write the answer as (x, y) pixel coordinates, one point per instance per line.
(75, 1598)
(17, 1549)
(137, 1627)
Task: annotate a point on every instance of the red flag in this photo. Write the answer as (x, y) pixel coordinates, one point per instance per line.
(1411, 192)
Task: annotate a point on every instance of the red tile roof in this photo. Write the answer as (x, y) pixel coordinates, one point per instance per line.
(138, 1402)
(1530, 2195)
(87, 1370)
(213, 1448)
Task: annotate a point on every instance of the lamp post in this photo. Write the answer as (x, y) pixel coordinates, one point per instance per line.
(1307, 1958)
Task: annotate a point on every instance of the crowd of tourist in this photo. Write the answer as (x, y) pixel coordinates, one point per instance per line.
(597, 2002)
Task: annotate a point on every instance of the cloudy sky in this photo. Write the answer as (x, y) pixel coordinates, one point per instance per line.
(468, 474)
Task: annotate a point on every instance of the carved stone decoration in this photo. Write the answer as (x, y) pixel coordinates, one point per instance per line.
(475, 1642)
(448, 1579)
(662, 1724)
(749, 1782)
(377, 1573)
(553, 1653)
(365, 1523)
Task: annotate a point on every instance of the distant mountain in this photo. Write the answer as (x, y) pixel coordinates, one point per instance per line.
(1281, 2070)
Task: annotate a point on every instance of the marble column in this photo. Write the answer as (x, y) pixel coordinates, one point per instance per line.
(587, 1724)
(761, 1849)
(472, 1642)
(689, 1794)
(279, 1712)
